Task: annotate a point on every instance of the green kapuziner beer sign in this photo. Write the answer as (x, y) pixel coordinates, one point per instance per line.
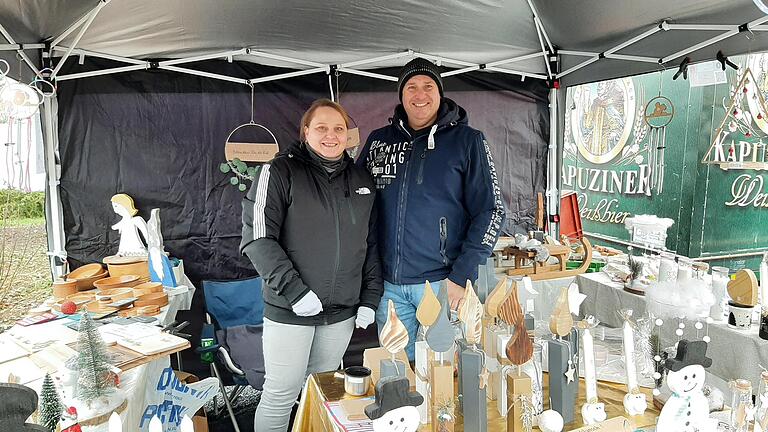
(696, 155)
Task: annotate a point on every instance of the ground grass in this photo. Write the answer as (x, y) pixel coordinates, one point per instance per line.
(25, 278)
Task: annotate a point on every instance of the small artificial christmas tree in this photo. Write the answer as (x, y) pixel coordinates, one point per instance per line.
(94, 379)
(50, 405)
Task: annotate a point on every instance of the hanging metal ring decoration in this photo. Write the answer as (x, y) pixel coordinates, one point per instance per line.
(233, 163)
(236, 164)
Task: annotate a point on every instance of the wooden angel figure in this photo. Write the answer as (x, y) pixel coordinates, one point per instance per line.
(129, 227)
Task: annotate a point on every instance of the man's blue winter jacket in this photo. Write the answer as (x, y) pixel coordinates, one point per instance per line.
(440, 206)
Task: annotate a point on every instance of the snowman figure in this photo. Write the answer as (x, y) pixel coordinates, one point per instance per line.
(687, 410)
(394, 408)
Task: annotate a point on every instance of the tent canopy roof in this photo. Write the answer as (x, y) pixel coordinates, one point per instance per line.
(472, 31)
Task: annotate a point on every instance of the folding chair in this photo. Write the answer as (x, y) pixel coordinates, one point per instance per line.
(233, 331)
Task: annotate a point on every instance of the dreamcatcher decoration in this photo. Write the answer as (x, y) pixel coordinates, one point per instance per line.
(19, 102)
(238, 153)
(658, 113)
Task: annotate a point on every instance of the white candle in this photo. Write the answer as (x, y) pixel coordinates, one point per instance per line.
(629, 357)
(589, 366)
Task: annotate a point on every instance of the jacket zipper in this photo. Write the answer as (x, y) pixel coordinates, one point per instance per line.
(401, 213)
(351, 211)
(420, 177)
(338, 250)
(443, 239)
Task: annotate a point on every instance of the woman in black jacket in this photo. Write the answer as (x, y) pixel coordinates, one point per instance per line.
(309, 230)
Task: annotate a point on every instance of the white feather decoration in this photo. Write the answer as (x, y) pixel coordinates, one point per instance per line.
(690, 300)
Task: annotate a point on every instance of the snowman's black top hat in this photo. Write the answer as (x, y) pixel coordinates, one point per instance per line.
(392, 393)
(689, 353)
(17, 403)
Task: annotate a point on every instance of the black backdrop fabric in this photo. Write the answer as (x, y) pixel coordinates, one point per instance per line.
(159, 137)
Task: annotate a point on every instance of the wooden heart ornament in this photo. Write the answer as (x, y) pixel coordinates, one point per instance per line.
(743, 288)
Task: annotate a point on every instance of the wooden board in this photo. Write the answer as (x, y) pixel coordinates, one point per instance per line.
(517, 385)
(496, 298)
(561, 322)
(743, 288)
(441, 392)
(429, 307)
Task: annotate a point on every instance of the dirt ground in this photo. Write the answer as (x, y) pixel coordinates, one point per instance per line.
(25, 278)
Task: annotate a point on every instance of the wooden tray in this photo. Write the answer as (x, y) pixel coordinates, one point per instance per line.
(153, 299)
(125, 281)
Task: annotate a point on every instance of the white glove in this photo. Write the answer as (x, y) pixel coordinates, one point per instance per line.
(365, 317)
(309, 305)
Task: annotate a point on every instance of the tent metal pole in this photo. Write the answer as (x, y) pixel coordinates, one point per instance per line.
(202, 57)
(700, 45)
(578, 66)
(463, 70)
(56, 227)
(16, 47)
(109, 71)
(514, 59)
(553, 194)
(535, 19)
(368, 74)
(714, 40)
(91, 17)
(515, 72)
(255, 53)
(77, 24)
(443, 59)
(638, 38)
(621, 46)
(578, 53)
(544, 52)
(325, 69)
(21, 52)
(377, 59)
(632, 58)
(78, 51)
(330, 88)
(759, 28)
(705, 27)
(544, 32)
(205, 74)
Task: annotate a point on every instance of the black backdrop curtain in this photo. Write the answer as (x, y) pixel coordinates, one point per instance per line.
(159, 137)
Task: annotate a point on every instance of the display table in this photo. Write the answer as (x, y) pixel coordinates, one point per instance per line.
(735, 354)
(312, 414)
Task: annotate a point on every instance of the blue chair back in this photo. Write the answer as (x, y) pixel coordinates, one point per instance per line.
(233, 303)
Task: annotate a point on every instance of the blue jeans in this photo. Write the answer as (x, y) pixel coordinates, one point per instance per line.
(406, 299)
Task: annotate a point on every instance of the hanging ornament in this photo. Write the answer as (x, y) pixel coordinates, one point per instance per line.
(659, 112)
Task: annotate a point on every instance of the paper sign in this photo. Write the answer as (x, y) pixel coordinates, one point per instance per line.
(704, 74)
(250, 152)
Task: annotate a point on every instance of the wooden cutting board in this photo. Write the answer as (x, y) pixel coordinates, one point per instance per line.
(743, 288)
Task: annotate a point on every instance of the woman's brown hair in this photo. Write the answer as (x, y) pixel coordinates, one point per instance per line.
(307, 117)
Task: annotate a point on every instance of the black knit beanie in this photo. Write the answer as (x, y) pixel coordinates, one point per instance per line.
(419, 66)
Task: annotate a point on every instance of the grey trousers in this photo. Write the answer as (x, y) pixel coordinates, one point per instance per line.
(291, 353)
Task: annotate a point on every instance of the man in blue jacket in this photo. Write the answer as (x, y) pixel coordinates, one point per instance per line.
(440, 207)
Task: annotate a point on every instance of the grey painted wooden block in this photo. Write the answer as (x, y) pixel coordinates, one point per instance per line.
(388, 368)
(562, 393)
(473, 400)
